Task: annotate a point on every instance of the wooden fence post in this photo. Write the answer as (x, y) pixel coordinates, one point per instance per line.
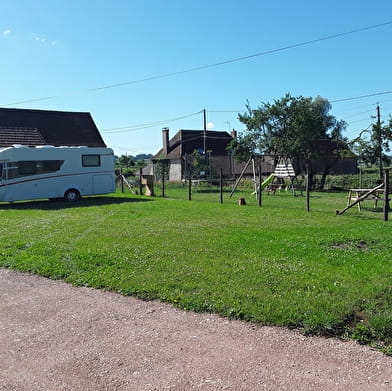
(260, 185)
(307, 186)
(163, 180)
(122, 180)
(189, 183)
(140, 182)
(386, 194)
(221, 185)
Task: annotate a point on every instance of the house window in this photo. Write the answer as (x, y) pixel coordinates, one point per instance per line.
(91, 160)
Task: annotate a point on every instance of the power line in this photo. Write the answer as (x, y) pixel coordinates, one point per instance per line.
(31, 100)
(224, 111)
(361, 96)
(132, 128)
(236, 59)
(383, 101)
(355, 115)
(359, 120)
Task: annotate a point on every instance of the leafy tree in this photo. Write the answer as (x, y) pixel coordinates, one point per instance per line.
(140, 163)
(161, 168)
(243, 146)
(199, 163)
(372, 150)
(126, 161)
(289, 128)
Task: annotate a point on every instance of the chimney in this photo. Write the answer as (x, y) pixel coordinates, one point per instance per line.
(234, 134)
(165, 141)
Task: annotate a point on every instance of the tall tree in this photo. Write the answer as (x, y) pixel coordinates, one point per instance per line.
(126, 161)
(199, 163)
(291, 127)
(372, 150)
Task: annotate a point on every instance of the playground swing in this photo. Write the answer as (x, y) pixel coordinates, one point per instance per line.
(283, 171)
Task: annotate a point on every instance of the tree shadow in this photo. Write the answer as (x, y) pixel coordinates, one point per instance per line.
(56, 204)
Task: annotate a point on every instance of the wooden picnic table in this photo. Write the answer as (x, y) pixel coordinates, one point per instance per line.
(355, 194)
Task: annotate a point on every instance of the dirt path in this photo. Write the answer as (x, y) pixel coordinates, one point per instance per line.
(57, 337)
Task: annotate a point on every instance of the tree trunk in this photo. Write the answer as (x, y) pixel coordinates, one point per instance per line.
(323, 178)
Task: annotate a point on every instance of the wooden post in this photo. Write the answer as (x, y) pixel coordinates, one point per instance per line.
(241, 175)
(189, 183)
(260, 185)
(163, 179)
(386, 194)
(140, 182)
(307, 187)
(122, 180)
(221, 185)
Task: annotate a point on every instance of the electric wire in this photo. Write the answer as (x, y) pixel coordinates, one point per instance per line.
(357, 114)
(224, 111)
(132, 128)
(359, 120)
(229, 61)
(304, 43)
(361, 96)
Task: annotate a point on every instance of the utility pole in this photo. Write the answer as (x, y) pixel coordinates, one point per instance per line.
(205, 137)
(204, 131)
(379, 142)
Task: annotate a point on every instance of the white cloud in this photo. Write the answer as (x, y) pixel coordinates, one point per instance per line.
(40, 39)
(210, 125)
(6, 33)
(43, 40)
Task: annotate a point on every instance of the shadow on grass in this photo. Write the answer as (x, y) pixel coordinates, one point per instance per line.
(56, 204)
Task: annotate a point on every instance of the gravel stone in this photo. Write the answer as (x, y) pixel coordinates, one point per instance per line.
(54, 336)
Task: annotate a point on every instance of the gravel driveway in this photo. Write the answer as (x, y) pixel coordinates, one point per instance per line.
(57, 337)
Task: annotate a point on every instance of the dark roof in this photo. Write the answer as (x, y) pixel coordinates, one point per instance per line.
(40, 127)
(30, 137)
(186, 141)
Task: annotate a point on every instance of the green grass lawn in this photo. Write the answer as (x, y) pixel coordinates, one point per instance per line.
(273, 265)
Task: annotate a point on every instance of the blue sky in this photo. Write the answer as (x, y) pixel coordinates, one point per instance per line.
(64, 49)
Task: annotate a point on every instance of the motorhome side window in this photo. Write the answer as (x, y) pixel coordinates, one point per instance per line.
(24, 168)
(91, 160)
(51, 165)
(27, 168)
(1, 170)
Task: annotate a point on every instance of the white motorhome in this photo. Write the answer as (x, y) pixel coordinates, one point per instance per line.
(28, 173)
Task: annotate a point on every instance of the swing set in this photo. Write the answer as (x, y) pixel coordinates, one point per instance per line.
(283, 176)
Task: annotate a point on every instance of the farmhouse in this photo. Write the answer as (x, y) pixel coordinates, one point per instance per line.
(180, 148)
(44, 127)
